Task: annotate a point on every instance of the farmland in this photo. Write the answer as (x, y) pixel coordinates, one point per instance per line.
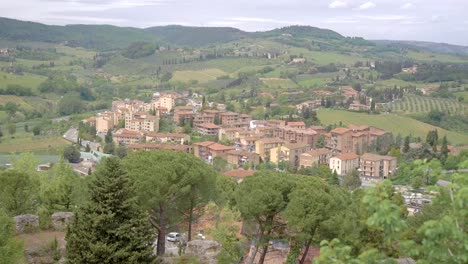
(199, 76)
(389, 122)
(424, 104)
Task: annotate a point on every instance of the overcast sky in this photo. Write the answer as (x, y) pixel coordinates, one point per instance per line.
(431, 20)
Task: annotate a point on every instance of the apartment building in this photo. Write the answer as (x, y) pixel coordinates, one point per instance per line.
(208, 150)
(208, 129)
(104, 121)
(314, 157)
(263, 147)
(341, 140)
(344, 163)
(289, 153)
(239, 158)
(228, 118)
(141, 121)
(377, 167)
(170, 138)
(127, 137)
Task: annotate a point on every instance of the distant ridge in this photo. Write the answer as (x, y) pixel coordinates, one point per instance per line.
(106, 37)
(426, 45)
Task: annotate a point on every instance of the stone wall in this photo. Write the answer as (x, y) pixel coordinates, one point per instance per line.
(60, 220)
(206, 250)
(26, 223)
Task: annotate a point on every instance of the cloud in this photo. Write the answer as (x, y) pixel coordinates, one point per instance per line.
(261, 20)
(367, 5)
(407, 6)
(437, 18)
(338, 4)
(86, 19)
(385, 17)
(341, 20)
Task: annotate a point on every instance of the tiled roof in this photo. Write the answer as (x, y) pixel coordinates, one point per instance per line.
(296, 124)
(340, 130)
(208, 125)
(375, 157)
(347, 156)
(219, 147)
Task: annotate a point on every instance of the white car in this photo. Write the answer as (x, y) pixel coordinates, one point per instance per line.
(174, 237)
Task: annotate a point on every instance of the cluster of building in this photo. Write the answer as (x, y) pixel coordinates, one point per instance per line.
(247, 142)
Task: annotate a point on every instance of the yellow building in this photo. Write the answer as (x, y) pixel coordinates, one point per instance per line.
(289, 153)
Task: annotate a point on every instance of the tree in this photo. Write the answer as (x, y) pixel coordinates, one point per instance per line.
(109, 148)
(36, 130)
(352, 180)
(220, 164)
(111, 228)
(72, 154)
(313, 203)
(260, 199)
(11, 128)
(70, 104)
(406, 145)
(121, 151)
(173, 186)
(65, 190)
(26, 128)
(87, 148)
(320, 142)
(18, 192)
(108, 138)
(444, 149)
(11, 250)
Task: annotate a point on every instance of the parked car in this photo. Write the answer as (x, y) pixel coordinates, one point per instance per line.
(174, 237)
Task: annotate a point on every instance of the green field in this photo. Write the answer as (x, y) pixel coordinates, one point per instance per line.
(389, 122)
(428, 56)
(26, 80)
(278, 82)
(200, 76)
(464, 95)
(424, 104)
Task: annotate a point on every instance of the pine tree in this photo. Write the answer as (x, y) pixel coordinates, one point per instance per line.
(406, 145)
(444, 149)
(110, 228)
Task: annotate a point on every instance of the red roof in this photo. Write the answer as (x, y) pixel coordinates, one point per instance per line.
(296, 124)
(219, 147)
(340, 130)
(208, 125)
(347, 156)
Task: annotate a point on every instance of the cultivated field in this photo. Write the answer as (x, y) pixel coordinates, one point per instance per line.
(200, 76)
(389, 122)
(278, 82)
(424, 104)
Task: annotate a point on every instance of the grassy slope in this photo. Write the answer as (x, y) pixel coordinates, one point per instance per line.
(393, 123)
(201, 76)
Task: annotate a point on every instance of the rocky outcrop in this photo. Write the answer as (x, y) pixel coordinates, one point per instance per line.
(60, 220)
(206, 250)
(26, 223)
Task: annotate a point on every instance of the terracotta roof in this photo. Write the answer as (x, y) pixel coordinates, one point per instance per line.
(204, 143)
(296, 124)
(358, 127)
(229, 114)
(317, 152)
(340, 130)
(347, 156)
(208, 125)
(377, 132)
(219, 147)
(239, 173)
(160, 135)
(375, 157)
(184, 113)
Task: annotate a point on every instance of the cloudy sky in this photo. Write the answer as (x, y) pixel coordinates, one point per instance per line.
(430, 20)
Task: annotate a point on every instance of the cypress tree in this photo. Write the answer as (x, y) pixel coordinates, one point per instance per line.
(111, 228)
